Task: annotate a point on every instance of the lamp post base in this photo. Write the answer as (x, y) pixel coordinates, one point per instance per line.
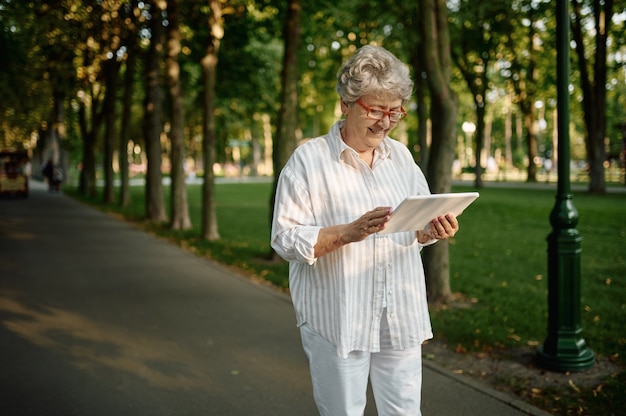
(566, 361)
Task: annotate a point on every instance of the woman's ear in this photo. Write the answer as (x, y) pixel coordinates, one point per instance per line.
(344, 107)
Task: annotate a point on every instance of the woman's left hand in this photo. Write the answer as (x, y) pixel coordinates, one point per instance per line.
(444, 227)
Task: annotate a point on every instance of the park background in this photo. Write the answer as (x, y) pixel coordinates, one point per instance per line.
(124, 92)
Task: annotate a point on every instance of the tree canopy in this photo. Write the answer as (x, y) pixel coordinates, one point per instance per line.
(57, 47)
(92, 75)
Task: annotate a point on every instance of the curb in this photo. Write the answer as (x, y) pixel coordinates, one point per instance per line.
(486, 390)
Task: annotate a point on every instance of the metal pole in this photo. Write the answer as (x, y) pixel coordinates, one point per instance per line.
(564, 348)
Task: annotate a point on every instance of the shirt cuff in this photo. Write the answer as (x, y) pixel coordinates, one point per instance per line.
(305, 244)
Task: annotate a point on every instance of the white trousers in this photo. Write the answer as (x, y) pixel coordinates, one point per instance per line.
(340, 385)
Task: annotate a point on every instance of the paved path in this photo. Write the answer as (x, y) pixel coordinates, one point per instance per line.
(99, 318)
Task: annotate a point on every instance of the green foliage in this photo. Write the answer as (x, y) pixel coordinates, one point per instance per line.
(22, 84)
(50, 45)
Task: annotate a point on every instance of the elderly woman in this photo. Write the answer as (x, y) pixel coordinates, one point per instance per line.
(359, 296)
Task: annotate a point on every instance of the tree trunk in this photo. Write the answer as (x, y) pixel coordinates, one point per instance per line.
(436, 257)
(89, 120)
(155, 209)
(58, 126)
(53, 147)
(131, 60)
(285, 140)
(477, 82)
(436, 40)
(179, 217)
(524, 81)
(110, 69)
(422, 123)
(419, 145)
(532, 130)
(508, 139)
(127, 102)
(87, 184)
(480, 142)
(593, 87)
(209, 229)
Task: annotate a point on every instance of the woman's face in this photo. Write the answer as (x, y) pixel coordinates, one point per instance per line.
(362, 132)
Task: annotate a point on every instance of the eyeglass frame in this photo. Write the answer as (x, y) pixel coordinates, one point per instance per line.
(402, 112)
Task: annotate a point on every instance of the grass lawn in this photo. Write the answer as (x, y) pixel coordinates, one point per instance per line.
(498, 261)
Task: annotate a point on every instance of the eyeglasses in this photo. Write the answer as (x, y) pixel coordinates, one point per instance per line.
(378, 114)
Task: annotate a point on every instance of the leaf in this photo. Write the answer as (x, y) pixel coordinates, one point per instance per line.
(573, 386)
(597, 390)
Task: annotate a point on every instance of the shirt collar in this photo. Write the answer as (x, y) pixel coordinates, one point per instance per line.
(341, 151)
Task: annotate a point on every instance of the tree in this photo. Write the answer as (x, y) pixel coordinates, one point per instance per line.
(179, 217)
(21, 82)
(132, 52)
(110, 70)
(478, 29)
(209, 76)
(90, 121)
(436, 43)
(111, 35)
(421, 93)
(37, 73)
(593, 83)
(285, 140)
(524, 45)
(287, 124)
(155, 210)
(98, 71)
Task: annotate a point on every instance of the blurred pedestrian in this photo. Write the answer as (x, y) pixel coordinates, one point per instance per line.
(47, 170)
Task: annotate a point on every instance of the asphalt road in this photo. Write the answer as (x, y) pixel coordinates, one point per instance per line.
(98, 318)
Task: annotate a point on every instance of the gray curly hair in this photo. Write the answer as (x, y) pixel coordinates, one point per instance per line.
(373, 70)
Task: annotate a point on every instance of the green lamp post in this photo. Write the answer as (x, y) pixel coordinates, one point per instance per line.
(564, 348)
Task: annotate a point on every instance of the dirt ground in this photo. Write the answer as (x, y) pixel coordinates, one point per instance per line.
(516, 372)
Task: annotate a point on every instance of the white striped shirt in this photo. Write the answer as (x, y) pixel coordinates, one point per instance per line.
(343, 294)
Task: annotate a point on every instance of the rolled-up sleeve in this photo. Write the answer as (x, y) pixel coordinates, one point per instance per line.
(294, 233)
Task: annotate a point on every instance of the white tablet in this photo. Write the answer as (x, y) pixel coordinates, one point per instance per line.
(415, 212)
